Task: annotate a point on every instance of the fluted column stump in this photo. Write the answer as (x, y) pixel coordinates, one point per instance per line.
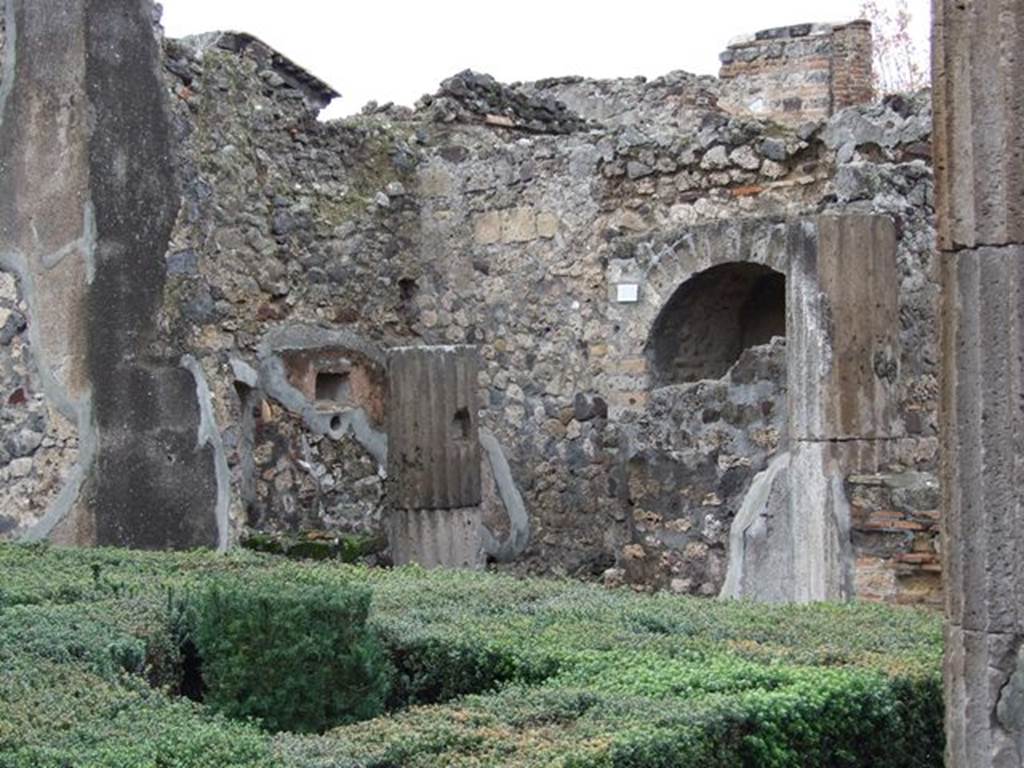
(434, 487)
(978, 71)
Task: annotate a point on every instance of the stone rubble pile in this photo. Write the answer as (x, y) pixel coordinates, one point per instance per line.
(473, 97)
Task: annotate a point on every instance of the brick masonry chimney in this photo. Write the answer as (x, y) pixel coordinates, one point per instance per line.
(798, 73)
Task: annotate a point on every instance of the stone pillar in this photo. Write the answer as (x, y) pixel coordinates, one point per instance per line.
(790, 540)
(978, 87)
(434, 487)
(88, 199)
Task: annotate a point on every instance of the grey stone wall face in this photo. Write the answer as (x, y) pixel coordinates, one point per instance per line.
(977, 83)
(491, 216)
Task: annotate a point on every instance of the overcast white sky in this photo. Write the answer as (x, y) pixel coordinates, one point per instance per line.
(397, 51)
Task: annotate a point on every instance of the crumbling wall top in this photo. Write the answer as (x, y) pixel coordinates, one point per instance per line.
(318, 93)
(474, 97)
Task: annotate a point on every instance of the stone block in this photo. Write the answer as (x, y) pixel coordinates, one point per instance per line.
(518, 225)
(843, 332)
(547, 224)
(978, 73)
(790, 540)
(487, 228)
(437, 538)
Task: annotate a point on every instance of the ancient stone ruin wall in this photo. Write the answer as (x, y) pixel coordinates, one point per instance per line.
(894, 508)
(550, 225)
(797, 73)
(673, 101)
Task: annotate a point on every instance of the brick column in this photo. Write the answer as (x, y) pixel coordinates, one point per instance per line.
(852, 82)
(979, 150)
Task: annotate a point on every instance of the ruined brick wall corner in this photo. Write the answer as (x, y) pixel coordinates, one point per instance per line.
(799, 73)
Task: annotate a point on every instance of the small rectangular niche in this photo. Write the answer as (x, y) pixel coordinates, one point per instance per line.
(332, 387)
(462, 424)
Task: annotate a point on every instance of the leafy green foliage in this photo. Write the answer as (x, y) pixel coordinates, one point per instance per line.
(298, 656)
(490, 670)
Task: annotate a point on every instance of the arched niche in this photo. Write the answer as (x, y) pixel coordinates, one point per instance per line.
(714, 316)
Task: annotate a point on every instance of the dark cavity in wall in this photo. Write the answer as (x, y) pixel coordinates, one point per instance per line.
(712, 318)
(462, 424)
(250, 404)
(408, 291)
(332, 387)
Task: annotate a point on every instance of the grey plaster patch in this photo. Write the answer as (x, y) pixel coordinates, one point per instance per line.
(84, 244)
(209, 435)
(790, 540)
(519, 520)
(750, 527)
(245, 373)
(819, 525)
(303, 337)
(372, 440)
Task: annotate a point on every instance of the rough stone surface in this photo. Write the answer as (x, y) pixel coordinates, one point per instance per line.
(506, 217)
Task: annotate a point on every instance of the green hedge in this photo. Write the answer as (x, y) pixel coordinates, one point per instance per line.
(489, 670)
(296, 655)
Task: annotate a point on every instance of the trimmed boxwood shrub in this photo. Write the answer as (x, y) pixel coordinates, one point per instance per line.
(491, 670)
(298, 656)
